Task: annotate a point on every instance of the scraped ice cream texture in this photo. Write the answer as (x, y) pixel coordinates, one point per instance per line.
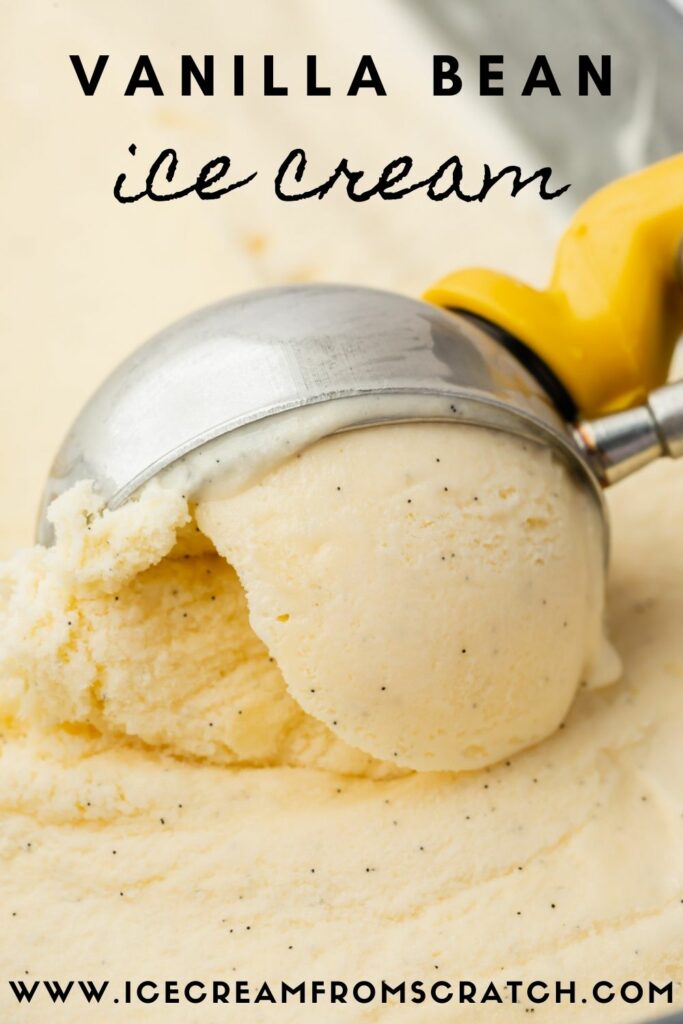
(155, 766)
(411, 596)
(174, 804)
(245, 718)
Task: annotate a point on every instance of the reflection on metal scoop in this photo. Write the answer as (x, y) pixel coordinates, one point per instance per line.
(259, 355)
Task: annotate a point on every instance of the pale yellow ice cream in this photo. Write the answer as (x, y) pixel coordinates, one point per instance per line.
(147, 828)
(432, 593)
(105, 630)
(168, 810)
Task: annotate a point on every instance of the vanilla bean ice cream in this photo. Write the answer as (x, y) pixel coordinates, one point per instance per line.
(432, 593)
(329, 725)
(426, 595)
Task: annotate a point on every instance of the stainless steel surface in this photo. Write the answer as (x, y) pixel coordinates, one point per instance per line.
(266, 352)
(624, 442)
(666, 406)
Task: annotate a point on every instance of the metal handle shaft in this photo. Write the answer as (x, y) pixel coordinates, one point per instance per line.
(624, 442)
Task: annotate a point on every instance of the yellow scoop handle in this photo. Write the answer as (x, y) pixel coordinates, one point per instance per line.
(608, 322)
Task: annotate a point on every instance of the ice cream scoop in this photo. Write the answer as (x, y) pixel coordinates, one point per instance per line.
(496, 354)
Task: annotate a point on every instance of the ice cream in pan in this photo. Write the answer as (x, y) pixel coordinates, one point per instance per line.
(337, 530)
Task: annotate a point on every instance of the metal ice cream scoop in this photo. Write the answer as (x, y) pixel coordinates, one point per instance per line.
(379, 357)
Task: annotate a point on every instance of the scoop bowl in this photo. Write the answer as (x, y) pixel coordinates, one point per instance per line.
(261, 354)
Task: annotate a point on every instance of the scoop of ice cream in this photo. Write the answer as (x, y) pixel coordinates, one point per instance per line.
(423, 596)
(432, 593)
